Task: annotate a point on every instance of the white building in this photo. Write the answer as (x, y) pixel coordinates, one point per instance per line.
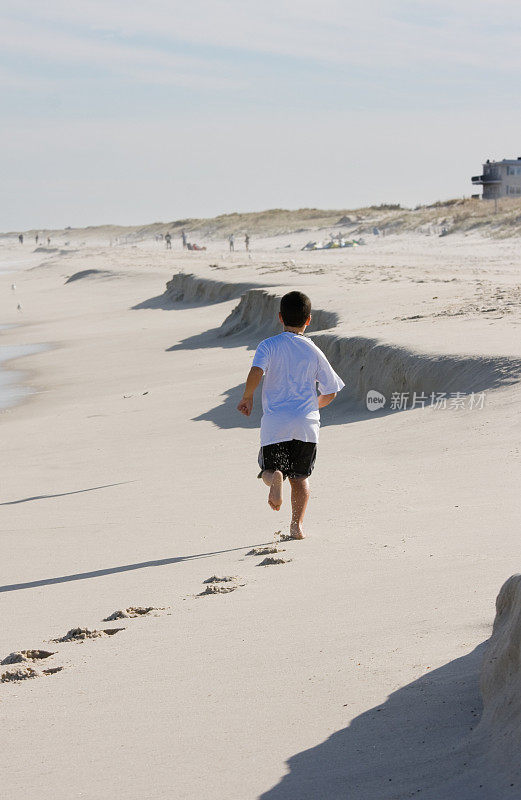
(500, 178)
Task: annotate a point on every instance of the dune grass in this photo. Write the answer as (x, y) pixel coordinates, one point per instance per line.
(456, 215)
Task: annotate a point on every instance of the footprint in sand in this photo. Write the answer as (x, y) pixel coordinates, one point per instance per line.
(217, 588)
(219, 584)
(132, 611)
(265, 551)
(23, 673)
(285, 537)
(80, 634)
(267, 562)
(21, 656)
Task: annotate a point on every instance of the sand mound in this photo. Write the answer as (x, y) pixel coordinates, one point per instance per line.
(90, 273)
(132, 611)
(257, 313)
(220, 579)
(80, 634)
(267, 562)
(364, 363)
(500, 683)
(189, 288)
(26, 655)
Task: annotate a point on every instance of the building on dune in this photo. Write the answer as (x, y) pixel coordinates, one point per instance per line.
(500, 178)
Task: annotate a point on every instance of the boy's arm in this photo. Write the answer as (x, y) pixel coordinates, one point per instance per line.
(325, 399)
(252, 381)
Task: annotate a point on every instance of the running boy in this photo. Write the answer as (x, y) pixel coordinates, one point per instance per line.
(292, 366)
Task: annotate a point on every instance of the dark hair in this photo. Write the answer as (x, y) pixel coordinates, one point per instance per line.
(295, 308)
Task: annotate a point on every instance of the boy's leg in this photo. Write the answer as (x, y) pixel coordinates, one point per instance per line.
(299, 501)
(274, 479)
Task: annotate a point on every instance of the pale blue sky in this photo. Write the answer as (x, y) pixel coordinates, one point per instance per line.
(127, 112)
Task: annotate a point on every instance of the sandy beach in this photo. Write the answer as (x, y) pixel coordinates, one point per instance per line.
(351, 669)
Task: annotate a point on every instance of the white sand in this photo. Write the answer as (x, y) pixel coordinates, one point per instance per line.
(128, 479)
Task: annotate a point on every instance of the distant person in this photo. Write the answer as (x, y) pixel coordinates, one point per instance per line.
(48, 241)
(36, 238)
(21, 238)
(19, 307)
(292, 365)
(168, 240)
(231, 241)
(183, 236)
(247, 243)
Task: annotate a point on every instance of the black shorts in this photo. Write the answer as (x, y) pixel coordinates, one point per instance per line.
(295, 459)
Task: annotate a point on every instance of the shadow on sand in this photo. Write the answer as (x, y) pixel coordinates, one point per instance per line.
(98, 573)
(412, 745)
(342, 411)
(212, 338)
(62, 494)
(226, 416)
(161, 301)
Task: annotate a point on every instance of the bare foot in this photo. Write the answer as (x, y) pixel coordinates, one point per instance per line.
(295, 531)
(275, 495)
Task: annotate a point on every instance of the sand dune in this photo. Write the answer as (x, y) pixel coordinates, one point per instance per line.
(363, 363)
(257, 315)
(190, 289)
(91, 273)
(449, 216)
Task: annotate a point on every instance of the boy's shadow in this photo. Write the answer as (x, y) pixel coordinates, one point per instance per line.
(225, 415)
(342, 411)
(414, 742)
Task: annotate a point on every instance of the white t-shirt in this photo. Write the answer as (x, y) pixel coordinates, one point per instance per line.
(292, 366)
